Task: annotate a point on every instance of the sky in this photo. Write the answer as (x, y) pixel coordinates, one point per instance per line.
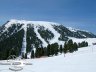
(73, 13)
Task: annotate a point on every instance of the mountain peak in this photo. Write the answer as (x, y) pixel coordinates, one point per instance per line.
(32, 22)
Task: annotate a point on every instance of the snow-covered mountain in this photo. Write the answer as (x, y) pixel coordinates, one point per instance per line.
(26, 35)
(46, 32)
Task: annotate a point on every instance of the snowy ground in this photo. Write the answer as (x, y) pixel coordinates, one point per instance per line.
(83, 60)
(89, 40)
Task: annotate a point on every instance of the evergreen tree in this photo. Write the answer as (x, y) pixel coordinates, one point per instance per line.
(12, 52)
(65, 48)
(25, 55)
(45, 51)
(61, 49)
(75, 46)
(32, 54)
(82, 44)
(86, 43)
(70, 46)
(54, 49)
(41, 51)
(37, 52)
(48, 50)
(79, 45)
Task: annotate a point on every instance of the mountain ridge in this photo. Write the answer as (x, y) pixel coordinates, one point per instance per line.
(55, 28)
(25, 35)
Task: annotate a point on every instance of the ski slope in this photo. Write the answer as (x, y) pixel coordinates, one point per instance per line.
(84, 60)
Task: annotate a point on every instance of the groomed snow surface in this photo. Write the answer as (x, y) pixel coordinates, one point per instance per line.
(84, 60)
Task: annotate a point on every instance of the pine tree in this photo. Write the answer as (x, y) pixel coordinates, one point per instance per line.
(70, 46)
(75, 46)
(12, 52)
(86, 43)
(82, 44)
(56, 46)
(37, 52)
(23, 55)
(48, 50)
(45, 51)
(32, 54)
(54, 49)
(61, 49)
(65, 48)
(41, 51)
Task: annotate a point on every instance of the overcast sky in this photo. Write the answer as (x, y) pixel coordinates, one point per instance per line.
(75, 13)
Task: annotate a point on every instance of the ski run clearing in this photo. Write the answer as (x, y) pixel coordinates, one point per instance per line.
(84, 60)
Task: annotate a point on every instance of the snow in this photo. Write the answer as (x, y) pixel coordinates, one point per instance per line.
(83, 35)
(56, 35)
(61, 43)
(46, 25)
(84, 60)
(38, 35)
(89, 40)
(43, 23)
(29, 55)
(72, 29)
(75, 30)
(24, 43)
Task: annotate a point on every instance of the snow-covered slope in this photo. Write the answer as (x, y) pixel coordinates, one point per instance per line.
(89, 40)
(83, 60)
(24, 35)
(58, 30)
(38, 35)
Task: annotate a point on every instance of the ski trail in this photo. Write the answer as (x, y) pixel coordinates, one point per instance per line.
(56, 35)
(38, 35)
(55, 39)
(24, 43)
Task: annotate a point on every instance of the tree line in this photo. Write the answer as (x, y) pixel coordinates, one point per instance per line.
(51, 49)
(55, 49)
